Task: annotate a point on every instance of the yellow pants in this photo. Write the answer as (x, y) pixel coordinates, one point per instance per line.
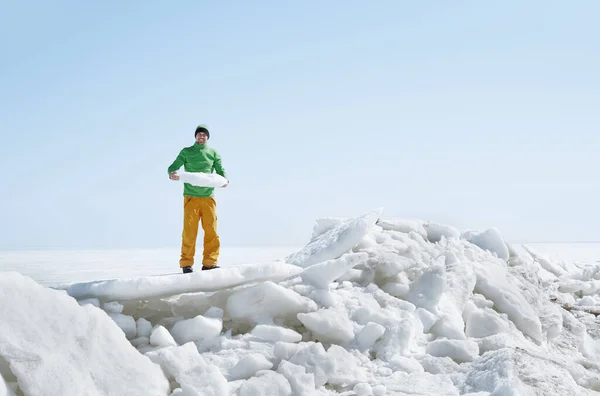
(197, 209)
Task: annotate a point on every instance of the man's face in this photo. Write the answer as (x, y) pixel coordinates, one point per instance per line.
(201, 138)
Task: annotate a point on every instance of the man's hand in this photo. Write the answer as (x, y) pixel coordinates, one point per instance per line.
(226, 184)
(173, 176)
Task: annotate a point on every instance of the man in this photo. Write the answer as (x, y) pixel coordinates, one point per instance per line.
(199, 202)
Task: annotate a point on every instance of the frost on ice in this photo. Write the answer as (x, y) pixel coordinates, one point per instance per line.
(370, 306)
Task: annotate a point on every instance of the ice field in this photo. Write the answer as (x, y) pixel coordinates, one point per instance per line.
(369, 306)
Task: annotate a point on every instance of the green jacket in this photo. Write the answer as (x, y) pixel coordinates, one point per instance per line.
(198, 158)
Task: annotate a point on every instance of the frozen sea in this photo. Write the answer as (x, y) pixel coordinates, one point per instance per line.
(51, 267)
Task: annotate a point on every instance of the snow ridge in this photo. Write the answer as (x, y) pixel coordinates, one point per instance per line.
(370, 306)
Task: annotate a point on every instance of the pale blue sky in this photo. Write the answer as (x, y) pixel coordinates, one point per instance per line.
(471, 113)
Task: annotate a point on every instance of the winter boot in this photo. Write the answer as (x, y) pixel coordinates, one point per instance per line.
(187, 270)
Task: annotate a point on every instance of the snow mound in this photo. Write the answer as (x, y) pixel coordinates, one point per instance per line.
(370, 306)
(56, 347)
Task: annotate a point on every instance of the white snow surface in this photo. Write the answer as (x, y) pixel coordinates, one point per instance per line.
(370, 306)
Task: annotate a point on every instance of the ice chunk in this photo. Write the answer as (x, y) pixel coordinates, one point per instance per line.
(347, 370)
(267, 300)
(325, 298)
(126, 323)
(369, 334)
(90, 301)
(202, 179)
(214, 312)
(268, 383)
(398, 338)
(322, 274)
(395, 289)
(311, 356)
(495, 342)
(275, 333)
(427, 318)
(196, 329)
(435, 231)
(113, 307)
(329, 325)
(185, 365)
(546, 264)
(438, 365)
(403, 225)
(406, 364)
(249, 365)
(389, 264)
(161, 337)
(485, 322)
(460, 282)
(490, 240)
(335, 242)
(427, 291)
(144, 328)
(492, 282)
(169, 285)
(362, 389)
(458, 350)
(301, 382)
(494, 372)
(324, 224)
(57, 347)
(480, 301)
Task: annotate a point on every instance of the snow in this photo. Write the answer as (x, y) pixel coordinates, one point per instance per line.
(322, 274)
(334, 242)
(458, 350)
(436, 231)
(56, 347)
(196, 329)
(493, 283)
(266, 301)
(184, 365)
(144, 328)
(161, 337)
(249, 365)
(275, 333)
(125, 323)
(369, 306)
(490, 240)
(201, 179)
